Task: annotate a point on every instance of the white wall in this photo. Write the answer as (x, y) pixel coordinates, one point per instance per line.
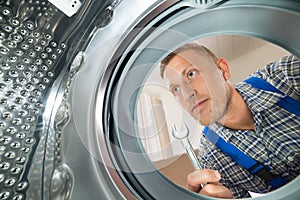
(243, 66)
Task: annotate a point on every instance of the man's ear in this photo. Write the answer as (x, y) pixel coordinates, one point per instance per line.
(224, 67)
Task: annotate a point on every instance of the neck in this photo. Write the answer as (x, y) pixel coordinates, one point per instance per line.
(238, 116)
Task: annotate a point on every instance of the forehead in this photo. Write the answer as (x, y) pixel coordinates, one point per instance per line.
(177, 63)
(176, 67)
(200, 60)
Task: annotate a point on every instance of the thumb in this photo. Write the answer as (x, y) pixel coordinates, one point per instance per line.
(197, 177)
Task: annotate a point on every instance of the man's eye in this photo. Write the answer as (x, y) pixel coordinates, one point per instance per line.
(175, 90)
(191, 74)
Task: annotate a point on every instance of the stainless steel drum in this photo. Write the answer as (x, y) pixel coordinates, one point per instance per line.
(38, 43)
(70, 75)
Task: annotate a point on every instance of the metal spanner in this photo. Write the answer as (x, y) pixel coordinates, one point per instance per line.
(182, 135)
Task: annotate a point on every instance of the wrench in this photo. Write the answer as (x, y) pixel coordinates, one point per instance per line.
(182, 135)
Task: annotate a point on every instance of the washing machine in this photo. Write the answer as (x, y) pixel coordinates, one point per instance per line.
(72, 72)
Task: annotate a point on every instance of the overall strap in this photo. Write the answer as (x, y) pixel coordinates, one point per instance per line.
(287, 103)
(253, 166)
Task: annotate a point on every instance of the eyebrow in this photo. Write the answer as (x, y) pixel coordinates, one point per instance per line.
(186, 68)
(182, 73)
(171, 86)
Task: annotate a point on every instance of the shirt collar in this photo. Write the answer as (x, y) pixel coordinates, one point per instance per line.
(257, 99)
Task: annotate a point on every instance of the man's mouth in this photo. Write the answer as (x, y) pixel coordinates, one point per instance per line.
(199, 104)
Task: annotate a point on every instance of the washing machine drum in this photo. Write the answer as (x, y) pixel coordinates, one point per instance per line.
(71, 75)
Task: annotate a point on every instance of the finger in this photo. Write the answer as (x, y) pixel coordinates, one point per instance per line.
(194, 188)
(198, 177)
(218, 191)
(216, 183)
(199, 187)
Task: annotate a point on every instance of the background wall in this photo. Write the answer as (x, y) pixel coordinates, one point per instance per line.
(255, 59)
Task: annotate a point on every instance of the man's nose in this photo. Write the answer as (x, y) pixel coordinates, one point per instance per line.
(187, 91)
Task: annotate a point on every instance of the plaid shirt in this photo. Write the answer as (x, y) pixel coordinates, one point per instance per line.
(276, 139)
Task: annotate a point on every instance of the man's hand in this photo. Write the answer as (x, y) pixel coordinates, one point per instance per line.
(212, 188)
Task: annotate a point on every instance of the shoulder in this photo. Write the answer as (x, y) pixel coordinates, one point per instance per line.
(284, 74)
(287, 66)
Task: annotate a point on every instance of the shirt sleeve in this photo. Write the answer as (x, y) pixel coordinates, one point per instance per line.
(284, 74)
(290, 66)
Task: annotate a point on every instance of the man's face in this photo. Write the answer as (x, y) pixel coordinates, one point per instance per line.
(199, 85)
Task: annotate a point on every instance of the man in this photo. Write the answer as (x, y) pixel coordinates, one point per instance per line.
(244, 116)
